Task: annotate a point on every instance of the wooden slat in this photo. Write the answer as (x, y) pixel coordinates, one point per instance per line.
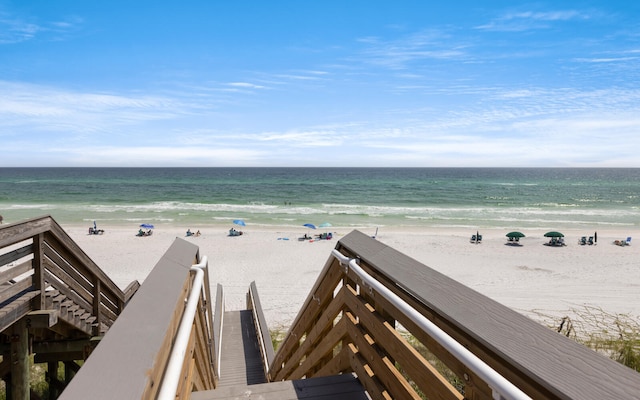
(366, 375)
(10, 274)
(60, 235)
(23, 230)
(340, 364)
(385, 371)
(264, 336)
(204, 369)
(323, 348)
(68, 274)
(338, 387)
(391, 343)
(327, 318)
(12, 256)
(320, 295)
(17, 309)
(7, 292)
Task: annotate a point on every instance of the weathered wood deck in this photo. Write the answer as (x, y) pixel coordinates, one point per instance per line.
(240, 360)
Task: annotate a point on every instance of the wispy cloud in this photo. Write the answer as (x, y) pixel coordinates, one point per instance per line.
(15, 29)
(424, 45)
(529, 20)
(51, 109)
(245, 85)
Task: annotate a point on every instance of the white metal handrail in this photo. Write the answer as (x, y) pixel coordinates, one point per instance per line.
(178, 352)
(500, 386)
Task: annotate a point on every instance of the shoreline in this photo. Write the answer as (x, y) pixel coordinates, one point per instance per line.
(532, 279)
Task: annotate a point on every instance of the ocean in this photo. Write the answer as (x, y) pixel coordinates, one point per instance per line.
(475, 198)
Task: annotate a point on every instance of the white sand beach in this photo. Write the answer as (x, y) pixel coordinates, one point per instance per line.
(532, 279)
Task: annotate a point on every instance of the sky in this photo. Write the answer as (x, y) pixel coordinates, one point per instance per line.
(330, 83)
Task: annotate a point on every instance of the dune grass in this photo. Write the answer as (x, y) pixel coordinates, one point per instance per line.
(616, 336)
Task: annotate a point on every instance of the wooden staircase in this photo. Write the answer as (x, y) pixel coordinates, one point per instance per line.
(53, 298)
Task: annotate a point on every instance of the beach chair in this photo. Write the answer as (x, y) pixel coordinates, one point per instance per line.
(583, 240)
(590, 241)
(233, 232)
(628, 241)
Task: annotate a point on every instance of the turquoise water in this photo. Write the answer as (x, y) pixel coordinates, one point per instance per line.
(436, 197)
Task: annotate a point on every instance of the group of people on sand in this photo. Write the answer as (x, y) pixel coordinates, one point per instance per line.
(189, 233)
(147, 232)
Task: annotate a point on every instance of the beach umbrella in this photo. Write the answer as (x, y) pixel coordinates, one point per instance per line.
(324, 225)
(553, 234)
(146, 226)
(310, 226)
(595, 237)
(239, 222)
(515, 235)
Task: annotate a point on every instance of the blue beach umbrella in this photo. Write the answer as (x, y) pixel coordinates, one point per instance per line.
(239, 222)
(310, 226)
(146, 226)
(324, 225)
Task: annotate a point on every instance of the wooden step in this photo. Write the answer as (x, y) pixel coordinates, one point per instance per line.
(337, 387)
(18, 307)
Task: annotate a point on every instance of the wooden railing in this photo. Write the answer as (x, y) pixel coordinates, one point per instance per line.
(262, 330)
(131, 361)
(348, 326)
(44, 269)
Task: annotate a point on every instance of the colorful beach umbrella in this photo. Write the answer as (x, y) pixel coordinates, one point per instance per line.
(239, 222)
(310, 226)
(146, 226)
(324, 225)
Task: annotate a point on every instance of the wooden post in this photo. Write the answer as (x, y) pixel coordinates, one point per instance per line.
(38, 271)
(97, 290)
(20, 361)
(52, 378)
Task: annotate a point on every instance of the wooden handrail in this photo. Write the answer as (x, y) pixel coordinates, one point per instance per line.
(138, 345)
(218, 321)
(262, 330)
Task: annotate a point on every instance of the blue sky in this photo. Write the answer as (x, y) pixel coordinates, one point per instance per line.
(319, 83)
